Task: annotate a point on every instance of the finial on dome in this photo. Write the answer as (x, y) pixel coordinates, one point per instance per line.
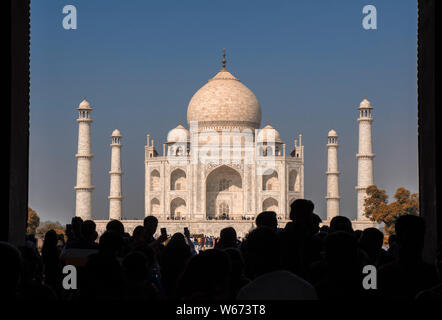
(224, 59)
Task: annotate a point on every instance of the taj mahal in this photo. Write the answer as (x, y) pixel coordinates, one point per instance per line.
(223, 169)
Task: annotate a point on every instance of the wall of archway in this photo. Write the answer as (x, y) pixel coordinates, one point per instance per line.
(177, 208)
(178, 180)
(224, 190)
(270, 204)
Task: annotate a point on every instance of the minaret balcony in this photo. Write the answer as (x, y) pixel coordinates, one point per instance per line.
(85, 120)
(365, 156)
(84, 156)
(84, 188)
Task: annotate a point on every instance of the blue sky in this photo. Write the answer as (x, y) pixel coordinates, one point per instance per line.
(139, 62)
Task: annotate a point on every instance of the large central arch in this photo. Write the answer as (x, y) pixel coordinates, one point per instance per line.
(224, 190)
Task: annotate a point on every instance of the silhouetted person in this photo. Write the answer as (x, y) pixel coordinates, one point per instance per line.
(238, 279)
(371, 241)
(51, 261)
(267, 219)
(173, 260)
(150, 224)
(206, 277)
(340, 274)
(262, 253)
(393, 247)
(10, 268)
(316, 221)
(31, 286)
(341, 223)
(409, 275)
(137, 272)
(300, 245)
(115, 226)
(137, 236)
(357, 234)
(227, 239)
(87, 239)
(103, 276)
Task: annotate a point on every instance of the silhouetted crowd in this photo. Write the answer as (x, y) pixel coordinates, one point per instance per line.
(302, 261)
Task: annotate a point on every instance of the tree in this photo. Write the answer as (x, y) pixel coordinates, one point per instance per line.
(33, 221)
(48, 225)
(377, 208)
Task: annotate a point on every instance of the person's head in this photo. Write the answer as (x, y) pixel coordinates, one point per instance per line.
(301, 211)
(110, 243)
(138, 234)
(50, 239)
(371, 241)
(115, 226)
(410, 231)
(267, 219)
(227, 238)
(177, 241)
(206, 277)
(316, 221)
(341, 249)
(150, 225)
(10, 269)
(88, 229)
(341, 223)
(262, 251)
(325, 229)
(77, 223)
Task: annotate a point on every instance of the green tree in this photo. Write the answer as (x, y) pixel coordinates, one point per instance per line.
(377, 208)
(33, 221)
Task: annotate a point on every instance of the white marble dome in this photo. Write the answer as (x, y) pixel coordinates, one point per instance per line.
(365, 104)
(224, 102)
(84, 105)
(116, 133)
(178, 134)
(268, 134)
(332, 133)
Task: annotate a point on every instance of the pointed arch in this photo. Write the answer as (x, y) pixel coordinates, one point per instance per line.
(178, 180)
(155, 184)
(177, 208)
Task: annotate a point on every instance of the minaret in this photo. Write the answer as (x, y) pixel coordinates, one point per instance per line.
(84, 188)
(365, 156)
(332, 173)
(115, 195)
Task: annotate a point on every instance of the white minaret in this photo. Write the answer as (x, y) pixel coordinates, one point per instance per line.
(84, 188)
(365, 156)
(115, 195)
(332, 173)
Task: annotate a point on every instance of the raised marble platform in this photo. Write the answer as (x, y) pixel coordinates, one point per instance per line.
(357, 224)
(209, 228)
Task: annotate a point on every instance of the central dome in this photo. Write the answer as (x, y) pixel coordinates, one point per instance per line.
(224, 102)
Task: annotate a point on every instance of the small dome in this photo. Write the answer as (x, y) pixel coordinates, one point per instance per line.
(116, 133)
(332, 133)
(365, 104)
(268, 134)
(84, 105)
(178, 134)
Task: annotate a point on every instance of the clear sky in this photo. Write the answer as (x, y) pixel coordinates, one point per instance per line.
(309, 63)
